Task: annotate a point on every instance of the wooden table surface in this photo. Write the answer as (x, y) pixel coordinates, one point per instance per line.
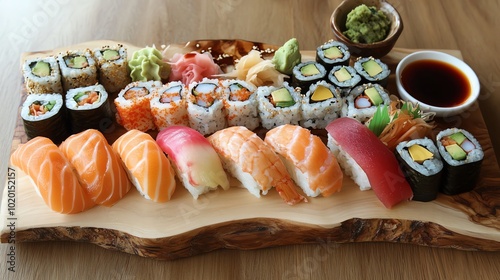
(468, 26)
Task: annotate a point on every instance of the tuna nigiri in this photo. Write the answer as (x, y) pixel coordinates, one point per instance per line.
(98, 166)
(368, 161)
(148, 168)
(312, 165)
(195, 160)
(249, 159)
(52, 175)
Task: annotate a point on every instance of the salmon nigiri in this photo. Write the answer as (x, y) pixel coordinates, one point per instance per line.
(53, 176)
(148, 168)
(196, 162)
(98, 166)
(249, 159)
(311, 164)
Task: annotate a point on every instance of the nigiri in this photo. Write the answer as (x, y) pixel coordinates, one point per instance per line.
(312, 165)
(98, 166)
(195, 160)
(147, 166)
(52, 175)
(249, 159)
(368, 161)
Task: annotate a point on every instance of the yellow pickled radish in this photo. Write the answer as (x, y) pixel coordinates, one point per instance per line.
(419, 154)
(321, 93)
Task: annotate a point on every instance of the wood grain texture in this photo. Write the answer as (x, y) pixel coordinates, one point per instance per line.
(468, 26)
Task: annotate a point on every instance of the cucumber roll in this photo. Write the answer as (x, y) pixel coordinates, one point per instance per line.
(133, 105)
(169, 105)
(42, 75)
(205, 107)
(333, 53)
(362, 101)
(279, 105)
(44, 115)
(88, 107)
(422, 166)
(78, 69)
(372, 70)
(462, 155)
(321, 104)
(113, 67)
(344, 77)
(307, 73)
(240, 102)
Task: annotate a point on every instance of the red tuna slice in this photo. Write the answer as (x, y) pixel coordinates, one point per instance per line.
(376, 160)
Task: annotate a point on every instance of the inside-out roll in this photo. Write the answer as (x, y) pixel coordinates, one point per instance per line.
(240, 102)
(42, 75)
(205, 107)
(169, 105)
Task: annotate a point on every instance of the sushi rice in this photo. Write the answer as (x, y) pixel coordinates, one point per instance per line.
(206, 120)
(173, 112)
(362, 114)
(113, 74)
(47, 84)
(271, 116)
(77, 77)
(318, 115)
(241, 112)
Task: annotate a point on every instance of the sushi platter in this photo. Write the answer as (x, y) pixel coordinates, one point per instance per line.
(234, 219)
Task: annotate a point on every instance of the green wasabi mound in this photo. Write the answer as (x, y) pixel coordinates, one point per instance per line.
(147, 64)
(367, 25)
(287, 56)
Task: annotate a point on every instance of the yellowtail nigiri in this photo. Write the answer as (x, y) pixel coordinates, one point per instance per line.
(196, 162)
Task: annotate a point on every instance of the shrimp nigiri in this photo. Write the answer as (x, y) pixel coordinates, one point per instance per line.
(311, 164)
(249, 159)
(53, 176)
(98, 166)
(148, 168)
(195, 160)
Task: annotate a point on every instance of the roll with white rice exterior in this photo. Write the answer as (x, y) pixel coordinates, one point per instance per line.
(169, 105)
(42, 75)
(113, 67)
(78, 69)
(240, 102)
(279, 105)
(321, 104)
(362, 101)
(205, 108)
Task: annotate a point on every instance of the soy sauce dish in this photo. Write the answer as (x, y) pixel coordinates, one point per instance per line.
(438, 82)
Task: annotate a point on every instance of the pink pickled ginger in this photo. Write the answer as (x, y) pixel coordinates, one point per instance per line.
(192, 67)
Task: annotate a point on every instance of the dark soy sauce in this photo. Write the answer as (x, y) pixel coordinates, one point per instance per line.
(436, 83)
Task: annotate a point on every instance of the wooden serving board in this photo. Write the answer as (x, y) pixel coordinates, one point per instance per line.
(235, 219)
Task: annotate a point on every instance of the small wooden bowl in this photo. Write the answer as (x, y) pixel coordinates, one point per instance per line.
(377, 49)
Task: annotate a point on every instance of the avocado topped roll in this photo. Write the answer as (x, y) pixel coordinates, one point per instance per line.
(422, 167)
(307, 73)
(344, 77)
(320, 105)
(462, 155)
(362, 101)
(279, 105)
(205, 107)
(44, 115)
(42, 75)
(113, 67)
(372, 70)
(332, 53)
(88, 107)
(78, 69)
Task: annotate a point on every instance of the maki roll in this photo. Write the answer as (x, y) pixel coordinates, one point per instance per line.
(113, 67)
(362, 101)
(133, 105)
(42, 75)
(169, 105)
(88, 107)
(344, 77)
(331, 54)
(278, 105)
(422, 166)
(240, 102)
(205, 108)
(462, 155)
(372, 70)
(43, 115)
(321, 104)
(307, 73)
(78, 69)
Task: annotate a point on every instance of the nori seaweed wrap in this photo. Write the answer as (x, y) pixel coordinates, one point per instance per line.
(332, 53)
(422, 166)
(44, 115)
(307, 73)
(344, 77)
(88, 107)
(462, 156)
(372, 70)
